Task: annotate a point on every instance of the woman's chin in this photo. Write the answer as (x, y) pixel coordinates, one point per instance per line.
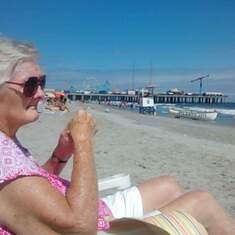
(32, 116)
(36, 116)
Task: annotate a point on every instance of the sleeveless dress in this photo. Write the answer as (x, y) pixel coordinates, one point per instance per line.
(17, 161)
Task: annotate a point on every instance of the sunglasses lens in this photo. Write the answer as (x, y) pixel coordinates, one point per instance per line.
(43, 82)
(31, 86)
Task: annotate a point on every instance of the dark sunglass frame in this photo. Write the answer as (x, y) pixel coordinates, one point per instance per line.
(31, 85)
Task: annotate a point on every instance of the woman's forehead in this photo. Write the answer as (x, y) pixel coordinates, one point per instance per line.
(26, 69)
(28, 66)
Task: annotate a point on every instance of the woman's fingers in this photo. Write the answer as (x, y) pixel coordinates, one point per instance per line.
(83, 124)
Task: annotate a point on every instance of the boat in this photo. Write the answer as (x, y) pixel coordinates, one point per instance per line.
(205, 115)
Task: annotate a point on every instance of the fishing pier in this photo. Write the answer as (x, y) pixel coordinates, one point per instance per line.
(158, 98)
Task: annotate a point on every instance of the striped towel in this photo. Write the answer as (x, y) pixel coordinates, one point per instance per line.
(177, 223)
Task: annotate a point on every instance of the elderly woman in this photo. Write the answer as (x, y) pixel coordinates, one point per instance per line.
(34, 200)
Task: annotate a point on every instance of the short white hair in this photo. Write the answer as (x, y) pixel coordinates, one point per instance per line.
(12, 53)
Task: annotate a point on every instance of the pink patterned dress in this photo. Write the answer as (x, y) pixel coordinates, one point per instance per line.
(16, 161)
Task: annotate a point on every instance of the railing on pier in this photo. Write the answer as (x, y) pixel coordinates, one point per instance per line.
(158, 98)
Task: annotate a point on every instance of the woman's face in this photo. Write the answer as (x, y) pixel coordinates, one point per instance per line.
(22, 109)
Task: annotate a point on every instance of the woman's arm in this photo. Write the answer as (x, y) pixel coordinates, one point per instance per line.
(54, 164)
(61, 153)
(30, 205)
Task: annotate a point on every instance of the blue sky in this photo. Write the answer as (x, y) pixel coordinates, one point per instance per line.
(103, 39)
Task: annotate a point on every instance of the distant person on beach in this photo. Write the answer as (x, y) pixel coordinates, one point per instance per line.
(36, 201)
(57, 104)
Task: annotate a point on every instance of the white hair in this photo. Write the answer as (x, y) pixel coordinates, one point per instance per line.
(11, 54)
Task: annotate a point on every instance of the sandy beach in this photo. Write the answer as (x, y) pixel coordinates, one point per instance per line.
(199, 155)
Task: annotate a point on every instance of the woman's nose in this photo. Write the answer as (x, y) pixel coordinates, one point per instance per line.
(40, 93)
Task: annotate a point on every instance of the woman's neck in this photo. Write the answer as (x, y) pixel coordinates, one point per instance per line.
(7, 130)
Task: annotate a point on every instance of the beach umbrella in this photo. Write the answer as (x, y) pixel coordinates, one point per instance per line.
(59, 94)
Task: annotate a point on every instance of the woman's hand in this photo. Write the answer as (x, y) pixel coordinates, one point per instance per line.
(65, 146)
(82, 127)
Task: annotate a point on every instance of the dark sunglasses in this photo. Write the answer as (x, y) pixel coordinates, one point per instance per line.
(31, 85)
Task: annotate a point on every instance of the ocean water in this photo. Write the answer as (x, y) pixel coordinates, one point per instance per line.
(226, 111)
(225, 117)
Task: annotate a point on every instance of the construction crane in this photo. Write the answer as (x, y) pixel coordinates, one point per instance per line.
(200, 79)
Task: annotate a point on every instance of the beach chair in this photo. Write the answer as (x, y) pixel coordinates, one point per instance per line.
(118, 181)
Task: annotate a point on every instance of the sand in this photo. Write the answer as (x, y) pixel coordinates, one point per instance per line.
(199, 154)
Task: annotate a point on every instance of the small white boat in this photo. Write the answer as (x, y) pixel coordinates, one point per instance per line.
(194, 114)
